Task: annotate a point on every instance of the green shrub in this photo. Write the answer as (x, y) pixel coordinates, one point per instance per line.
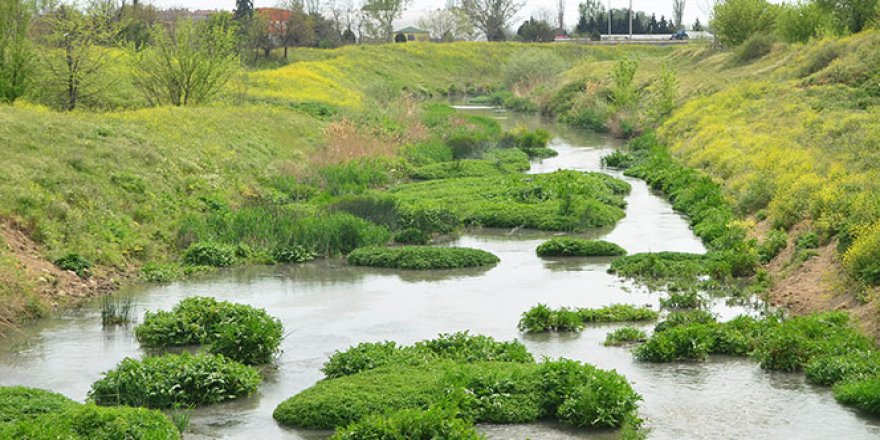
(587, 119)
(808, 240)
(237, 331)
(524, 139)
(161, 272)
(495, 162)
(682, 300)
(617, 313)
(829, 370)
(173, 380)
(575, 247)
(89, 422)
(541, 319)
(421, 257)
(685, 318)
(415, 424)
(772, 245)
(412, 236)
(210, 254)
(460, 347)
(520, 104)
(541, 153)
(625, 335)
(618, 159)
(607, 400)
(660, 266)
(689, 342)
(75, 263)
(863, 394)
(791, 344)
(757, 46)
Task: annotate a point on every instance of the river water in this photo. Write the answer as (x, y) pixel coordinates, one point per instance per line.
(327, 306)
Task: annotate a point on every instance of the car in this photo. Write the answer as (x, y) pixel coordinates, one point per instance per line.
(680, 35)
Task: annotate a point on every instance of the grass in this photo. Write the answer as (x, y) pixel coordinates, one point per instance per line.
(237, 331)
(116, 310)
(421, 257)
(175, 380)
(560, 201)
(427, 424)
(39, 414)
(575, 247)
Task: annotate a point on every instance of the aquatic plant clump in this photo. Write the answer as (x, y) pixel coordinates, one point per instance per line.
(863, 394)
(175, 380)
(559, 201)
(829, 370)
(460, 347)
(625, 335)
(576, 247)
(415, 424)
(237, 331)
(421, 257)
(484, 392)
(544, 319)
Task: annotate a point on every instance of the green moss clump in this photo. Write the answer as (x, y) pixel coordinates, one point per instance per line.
(576, 247)
(237, 331)
(173, 380)
(460, 346)
(560, 201)
(863, 394)
(544, 319)
(42, 415)
(421, 257)
(414, 424)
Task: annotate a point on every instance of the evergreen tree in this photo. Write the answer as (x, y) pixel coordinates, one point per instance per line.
(244, 9)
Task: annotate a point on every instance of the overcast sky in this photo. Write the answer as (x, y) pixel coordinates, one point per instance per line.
(693, 9)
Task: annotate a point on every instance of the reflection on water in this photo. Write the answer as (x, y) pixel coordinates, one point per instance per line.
(327, 306)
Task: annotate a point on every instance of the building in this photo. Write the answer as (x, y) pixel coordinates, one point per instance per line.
(412, 33)
(276, 19)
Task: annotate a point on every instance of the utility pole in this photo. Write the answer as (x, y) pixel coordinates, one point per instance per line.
(630, 19)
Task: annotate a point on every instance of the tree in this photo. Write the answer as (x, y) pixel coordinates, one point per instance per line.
(560, 14)
(447, 24)
(244, 9)
(187, 65)
(16, 54)
(799, 22)
(697, 27)
(678, 13)
(381, 15)
(136, 22)
(851, 15)
(536, 31)
(492, 16)
(80, 36)
(735, 21)
(624, 94)
(592, 18)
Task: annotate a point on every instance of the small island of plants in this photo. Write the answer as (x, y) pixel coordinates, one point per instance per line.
(542, 318)
(577, 247)
(421, 257)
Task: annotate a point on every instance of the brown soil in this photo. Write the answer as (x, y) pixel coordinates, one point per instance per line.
(818, 285)
(54, 288)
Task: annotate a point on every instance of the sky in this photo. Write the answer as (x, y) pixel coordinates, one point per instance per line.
(418, 8)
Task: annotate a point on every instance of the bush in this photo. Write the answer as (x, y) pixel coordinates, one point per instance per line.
(661, 266)
(587, 119)
(415, 424)
(829, 370)
(237, 331)
(294, 254)
(625, 335)
(412, 236)
(860, 260)
(88, 422)
(541, 319)
(863, 394)
(809, 240)
(575, 247)
(173, 380)
(617, 313)
(75, 263)
(690, 342)
(607, 400)
(735, 21)
(757, 46)
(421, 257)
(460, 347)
(161, 272)
(20, 403)
(682, 300)
(210, 254)
(685, 318)
(772, 245)
(618, 159)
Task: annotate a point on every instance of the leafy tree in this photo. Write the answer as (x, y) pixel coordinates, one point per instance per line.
(735, 21)
(492, 16)
(348, 37)
(799, 22)
(186, 65)
(298, 31)
(663, 93)
(851, 15)
(697, 27)
(678, 13)
(624, 93)
(136, 22)
(16, 67)
(536, 31)
(82, 37)
(244, 9)
(381, 15)
(447, 24)
(592, 18)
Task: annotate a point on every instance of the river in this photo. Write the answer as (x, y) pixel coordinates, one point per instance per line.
(327, 305)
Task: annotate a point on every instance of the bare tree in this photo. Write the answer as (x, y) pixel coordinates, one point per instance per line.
(492, 16)
(448, 24)
(560, 12)
(380, 15)
(678, 13)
